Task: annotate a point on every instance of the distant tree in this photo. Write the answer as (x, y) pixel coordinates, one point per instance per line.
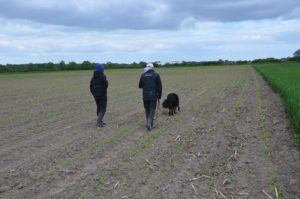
(291, 59)
(50, 66)
(142, 63)
(3, 68)
(297, 55)
(267, 60)
(242, 62)
(72, 65)
(62, 63)
(156, 64)
(87, 65)
(31, 67)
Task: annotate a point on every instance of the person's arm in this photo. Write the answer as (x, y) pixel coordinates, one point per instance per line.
(91, 85)
(141, 82)
(105, 82)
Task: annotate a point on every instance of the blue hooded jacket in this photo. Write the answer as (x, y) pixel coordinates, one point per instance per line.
(99, 83)
(100, 67)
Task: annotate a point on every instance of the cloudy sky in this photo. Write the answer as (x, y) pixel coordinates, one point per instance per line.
(158, 30)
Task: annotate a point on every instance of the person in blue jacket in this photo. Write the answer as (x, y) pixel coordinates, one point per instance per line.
(150, 82)
(98, 88)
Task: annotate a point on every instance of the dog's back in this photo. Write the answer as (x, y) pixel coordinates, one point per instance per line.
(172, 103)
(174, 99)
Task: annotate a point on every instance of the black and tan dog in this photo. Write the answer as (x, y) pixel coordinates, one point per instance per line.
(172, 103)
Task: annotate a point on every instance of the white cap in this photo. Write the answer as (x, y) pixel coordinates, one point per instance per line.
(150, 65)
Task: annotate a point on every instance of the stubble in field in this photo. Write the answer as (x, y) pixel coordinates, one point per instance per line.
(227, 141)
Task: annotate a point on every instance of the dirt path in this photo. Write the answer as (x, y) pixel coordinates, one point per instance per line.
(231, 140)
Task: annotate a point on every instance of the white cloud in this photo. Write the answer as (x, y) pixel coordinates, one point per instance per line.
(132, 30)
(135, 14)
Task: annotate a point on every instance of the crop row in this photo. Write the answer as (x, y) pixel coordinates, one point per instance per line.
(169, 163)
(266, 140)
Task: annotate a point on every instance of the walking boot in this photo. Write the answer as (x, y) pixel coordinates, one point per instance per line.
(149, 124)
(100, 122)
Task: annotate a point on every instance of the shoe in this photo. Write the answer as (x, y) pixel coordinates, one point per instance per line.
(149, 127)
(101, 124)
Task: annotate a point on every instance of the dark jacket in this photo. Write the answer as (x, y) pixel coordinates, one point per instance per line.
(151, 84)
(98, 85)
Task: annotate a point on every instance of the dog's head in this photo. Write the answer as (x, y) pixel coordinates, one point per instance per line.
(166, 103)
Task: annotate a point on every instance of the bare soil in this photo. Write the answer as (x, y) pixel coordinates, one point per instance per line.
(232, 138)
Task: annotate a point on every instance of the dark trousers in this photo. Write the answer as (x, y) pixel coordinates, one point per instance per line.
(150, 107)
(101, 108)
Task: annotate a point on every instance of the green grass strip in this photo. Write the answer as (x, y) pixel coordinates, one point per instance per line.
(285, 80)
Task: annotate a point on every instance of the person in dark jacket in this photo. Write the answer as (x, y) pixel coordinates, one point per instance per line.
(152, 88)
(98, 88)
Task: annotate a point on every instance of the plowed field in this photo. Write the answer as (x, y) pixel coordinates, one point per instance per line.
(231, 139)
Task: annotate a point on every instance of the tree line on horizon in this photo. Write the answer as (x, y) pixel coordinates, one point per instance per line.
(86, 65)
